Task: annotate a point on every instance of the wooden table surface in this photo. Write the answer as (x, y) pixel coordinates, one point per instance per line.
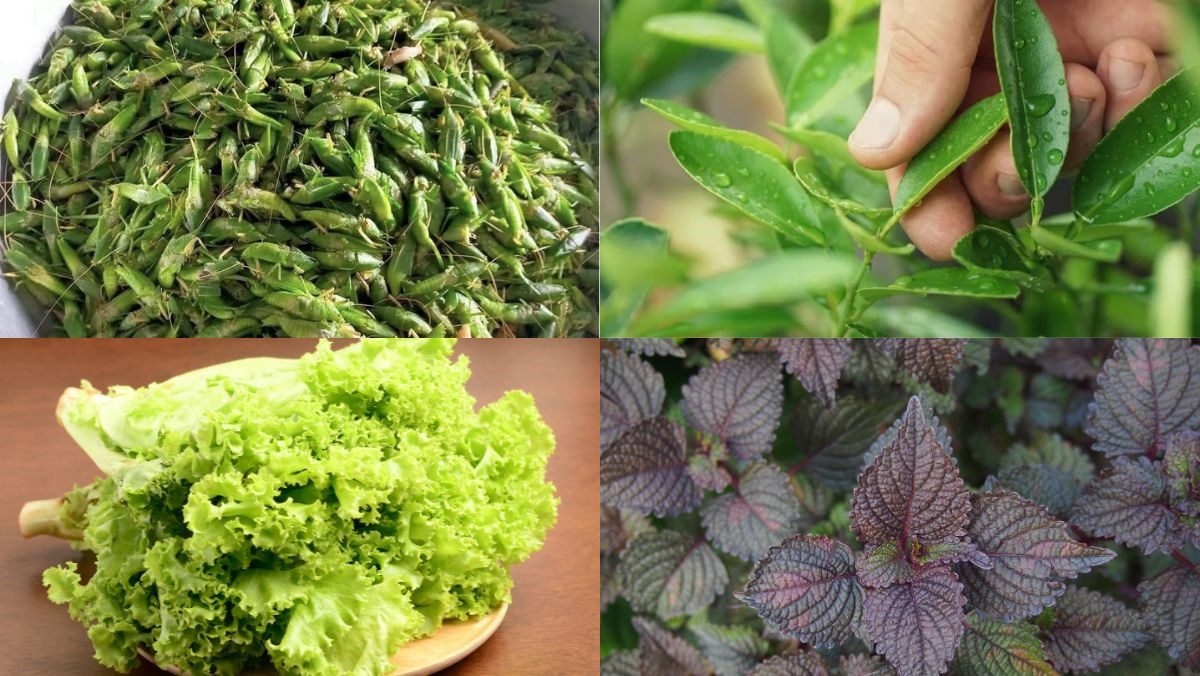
(553, 625)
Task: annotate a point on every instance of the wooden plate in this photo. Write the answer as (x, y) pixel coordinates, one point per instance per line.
(451, 643)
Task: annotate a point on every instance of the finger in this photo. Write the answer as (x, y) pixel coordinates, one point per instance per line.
(1088, 103)
(1129, 70)
(1167, 67)
(944, 216)
(1084, 31)
(930, 48)
(991, 179)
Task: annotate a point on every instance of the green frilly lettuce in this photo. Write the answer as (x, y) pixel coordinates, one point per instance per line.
(312, 513)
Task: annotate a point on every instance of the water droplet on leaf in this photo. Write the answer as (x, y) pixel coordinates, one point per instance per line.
(1039, 105)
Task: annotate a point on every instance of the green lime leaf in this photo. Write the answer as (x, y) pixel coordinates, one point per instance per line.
(946, 282)
(998, 254)
(779, 280)
(1061, 224)
(919, 321)
(818, 185)
(644, 250)
(694, 120)
(1187, 37)
(1035, 89)
(709, 30)
(755, 183)
(832, 149)
(1148, 162)
(787, 46)
(751, 322)
(844, 12)
(833, 70)
(633, 59)
(1172, 304)
(948, 150)
(1105, 251)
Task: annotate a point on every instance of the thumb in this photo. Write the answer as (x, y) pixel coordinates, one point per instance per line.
(926, 51)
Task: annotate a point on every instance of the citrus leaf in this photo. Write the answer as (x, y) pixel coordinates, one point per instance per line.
(1129, 505)
(670, 574)
(760, 511)
(739, 400)
(933, 361)
(1105, 251)
(945, 282)
(755, 183)
(1030, 552)
(1147, 162)
(1060, 224)
(1171, 304)
(662, 652)
(948, 150)
(804, 663)
(707, 29)
(917, 625)
(834, 69)
(646, 262)
(646, 470)
(1034, 83)
(911, 492)
(1145, 392)
(732, 650)
(649, 347)
(992, 648)
(835, 441)
(634, 59)
(832, 149)
(781, 279)
(805, 588)
(844, 12)
(630, 391)
(694, 120)
(996, 253)
(1171, 605)
(816, 362)
(787, 46)
(1091, 630)
(818, 185)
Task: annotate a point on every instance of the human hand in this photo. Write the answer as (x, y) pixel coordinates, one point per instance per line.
(937, 56)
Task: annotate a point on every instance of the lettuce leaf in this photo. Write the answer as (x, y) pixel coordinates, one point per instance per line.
(314, 514)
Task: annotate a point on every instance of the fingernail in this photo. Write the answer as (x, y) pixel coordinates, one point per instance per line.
(1010, 186)
(1080, 109)
(1125, 75)
(879, 126)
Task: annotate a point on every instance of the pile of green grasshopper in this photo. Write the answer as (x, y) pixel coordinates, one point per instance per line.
(335, 168)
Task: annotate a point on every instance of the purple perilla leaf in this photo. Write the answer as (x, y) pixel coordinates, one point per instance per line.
(646, 470)
(738, 400)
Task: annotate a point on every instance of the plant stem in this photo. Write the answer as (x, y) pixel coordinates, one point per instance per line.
(611, 147)
(852, 292)
(41, 517)
(1178, 556)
